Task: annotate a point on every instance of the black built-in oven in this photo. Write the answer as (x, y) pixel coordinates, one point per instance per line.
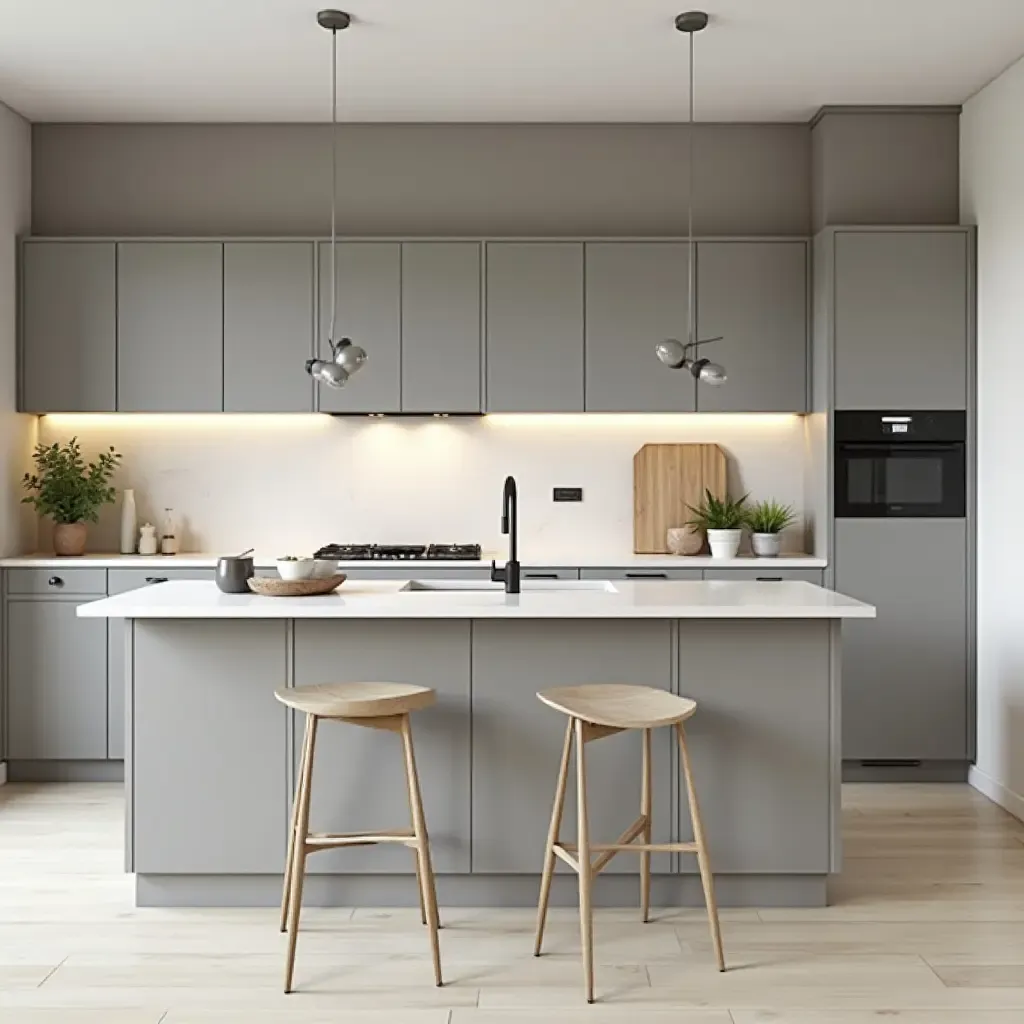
(900, 464)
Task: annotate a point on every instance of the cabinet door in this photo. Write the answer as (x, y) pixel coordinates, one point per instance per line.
(904, 672)
(768, 575)
(441, 327)
(517, 740)
(358, 773)
(370, 313)
(170, 340)
(636, 298)
(534, 327)
(268, 326)
(57, 682)
(120, 581)
(69, 337)
(754, 295)
(639, 575)
(901, 319)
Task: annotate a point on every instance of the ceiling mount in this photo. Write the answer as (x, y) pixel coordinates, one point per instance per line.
(335, 21)
(691, 21)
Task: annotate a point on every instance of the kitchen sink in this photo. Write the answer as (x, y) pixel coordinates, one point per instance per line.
(486, 587)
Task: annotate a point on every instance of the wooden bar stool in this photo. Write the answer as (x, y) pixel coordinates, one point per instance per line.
(375, 706)
(596, 711)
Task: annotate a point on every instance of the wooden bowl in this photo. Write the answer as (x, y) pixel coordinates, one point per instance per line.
(267, 586)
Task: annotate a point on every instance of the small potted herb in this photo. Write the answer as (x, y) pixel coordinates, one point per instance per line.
(70, 492)
(767, 519)
(722, 519)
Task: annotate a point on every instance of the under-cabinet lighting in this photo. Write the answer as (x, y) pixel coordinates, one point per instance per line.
(214, 421)
(656, 421)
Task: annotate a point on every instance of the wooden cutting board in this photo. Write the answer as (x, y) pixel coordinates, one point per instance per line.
(667, 478)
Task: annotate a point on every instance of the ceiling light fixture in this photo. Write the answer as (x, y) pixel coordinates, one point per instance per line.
(346, 358)
(671, 352)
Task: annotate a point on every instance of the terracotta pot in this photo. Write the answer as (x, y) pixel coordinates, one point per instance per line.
(69, 538)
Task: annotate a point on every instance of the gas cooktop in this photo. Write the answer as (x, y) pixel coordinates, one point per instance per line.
(401, 552)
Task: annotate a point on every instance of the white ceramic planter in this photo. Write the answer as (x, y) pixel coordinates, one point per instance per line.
(766, 545)
(724, 543)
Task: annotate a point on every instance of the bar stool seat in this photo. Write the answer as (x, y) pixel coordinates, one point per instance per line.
(381, 705)
(596, 711)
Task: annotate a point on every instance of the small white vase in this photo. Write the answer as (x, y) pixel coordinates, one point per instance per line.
(129, 522)
(765, 545)
(724, 543)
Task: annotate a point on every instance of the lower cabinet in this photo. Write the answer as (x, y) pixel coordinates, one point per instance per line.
(359, 773)
(120, 581)
(641, 574)
(517, 740)
(768, 575)
(57, 682)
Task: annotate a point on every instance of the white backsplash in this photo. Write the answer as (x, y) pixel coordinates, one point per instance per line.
(291, 483)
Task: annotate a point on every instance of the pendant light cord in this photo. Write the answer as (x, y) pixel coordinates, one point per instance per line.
(691, 262)
(334, 188)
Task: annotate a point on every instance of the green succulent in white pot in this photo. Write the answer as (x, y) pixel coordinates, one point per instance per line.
(722, 519)
(767, 520)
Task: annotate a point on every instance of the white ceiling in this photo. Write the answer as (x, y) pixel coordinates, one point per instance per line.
(493, 60)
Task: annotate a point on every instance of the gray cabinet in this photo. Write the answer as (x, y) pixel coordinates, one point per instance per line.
(901, 319)
(636, 297)
(170, 320)
(766, 575)
(637, 575)
(57, 682)
(368, 279)
(905, 689)
(69, 337)
(441, 327)
(358, 774)
(754, 295)
(269, 325)
(120, 581)
(534, 350)
(761, 702)
(517, 741)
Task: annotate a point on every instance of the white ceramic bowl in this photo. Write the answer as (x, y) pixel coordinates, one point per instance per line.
(324, 567)
(295, 569)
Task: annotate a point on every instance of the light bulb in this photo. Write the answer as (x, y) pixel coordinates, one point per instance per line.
(671, 353)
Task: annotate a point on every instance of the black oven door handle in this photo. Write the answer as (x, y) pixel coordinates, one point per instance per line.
(898, 447)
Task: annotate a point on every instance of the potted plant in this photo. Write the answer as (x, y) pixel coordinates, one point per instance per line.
(767, 519)
(722, 519)
(70, 492)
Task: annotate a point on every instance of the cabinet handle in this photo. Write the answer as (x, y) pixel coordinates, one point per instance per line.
(646, 575)
(156, 579)
(767, 579)
(55, 581)
(540, 575)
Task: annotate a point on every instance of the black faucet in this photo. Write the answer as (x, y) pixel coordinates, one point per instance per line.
(509, 573)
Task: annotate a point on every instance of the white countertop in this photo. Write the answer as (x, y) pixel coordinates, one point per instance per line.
(541, 599)
(529, 559)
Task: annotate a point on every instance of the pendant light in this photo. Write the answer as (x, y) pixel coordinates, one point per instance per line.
(346, 358)
(671, 352)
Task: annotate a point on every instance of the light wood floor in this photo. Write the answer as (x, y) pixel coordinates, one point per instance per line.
(928, 928)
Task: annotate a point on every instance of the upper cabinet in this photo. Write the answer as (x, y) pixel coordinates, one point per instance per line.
(269, 326)
(636, 297)
(68, 334)
(901, 319)
(440, 327)
(170, 321)
(368, 277)
(534, 326)
(753, 295)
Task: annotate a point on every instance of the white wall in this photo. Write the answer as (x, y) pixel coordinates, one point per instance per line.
(16, 432)
(992, 177)
(291, 483)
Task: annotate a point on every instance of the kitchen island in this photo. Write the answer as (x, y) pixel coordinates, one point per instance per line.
(211, 755)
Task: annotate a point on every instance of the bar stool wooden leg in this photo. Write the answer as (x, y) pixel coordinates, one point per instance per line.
(291, 837)
(554, 830)
(583, 853)
(646, 803)
(298, 868)
(703, 862)
(426, 870)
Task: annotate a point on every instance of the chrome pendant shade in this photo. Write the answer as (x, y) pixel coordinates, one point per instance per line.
(673, 353)
(346, 357)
